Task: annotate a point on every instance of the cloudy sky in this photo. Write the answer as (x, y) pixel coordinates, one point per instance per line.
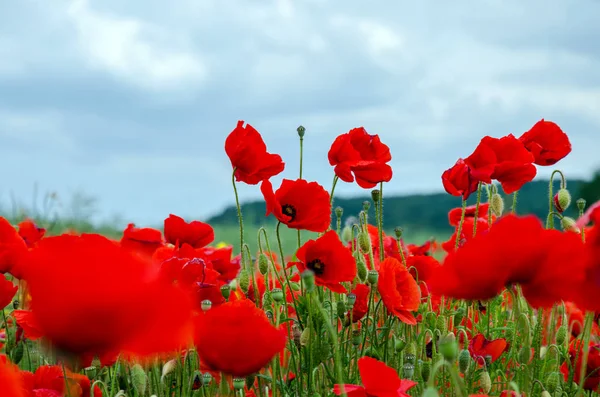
(131, 101)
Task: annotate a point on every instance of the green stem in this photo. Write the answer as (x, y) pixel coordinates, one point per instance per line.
(477, 204)
(335, 181)
(285, 274)
(563, 184)
(589, 320)
(460, 225)
(239, 213)
(514, 203)
(7, 330)
(380, 223)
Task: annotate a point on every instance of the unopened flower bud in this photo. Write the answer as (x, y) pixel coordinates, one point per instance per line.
(305, 337)
(408, 371)
(375, 195)
(350, 299)
(295, 286)
(339, 211)
(430, 392)
(277, 295)
(308, 278)
(485, 381)
(364, 242)
(244, 280)
(372, 277)
(464, 361)
(239, 383)
(411, 352)
(398, 231)
(524, 356)
(399, 344)
(581, 204)
(448, 347)
(341, 309)
(441, 324)
(561, 335)
(425, 370)
(301, 130)
(226, 291)
(545, 393)
(459, 316)
(356, 337)
(263, 264)
(562, 200)
(569, 224)
(497, 204)
(347, 234)
(552, 381)
(206, 305)
(361, 268)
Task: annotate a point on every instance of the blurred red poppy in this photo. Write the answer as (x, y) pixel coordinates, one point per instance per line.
(480, 347)
(12, 248)
(197, 234)
(141, 240)
(11, 383)
(7, 292)
(30, 233)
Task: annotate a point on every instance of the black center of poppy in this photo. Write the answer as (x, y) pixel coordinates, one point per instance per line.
(316, 266)
(289, 211)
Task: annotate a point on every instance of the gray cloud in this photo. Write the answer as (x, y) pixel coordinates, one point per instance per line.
(132, 101)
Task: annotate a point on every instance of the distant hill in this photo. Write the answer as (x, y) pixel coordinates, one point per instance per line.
(417, 212)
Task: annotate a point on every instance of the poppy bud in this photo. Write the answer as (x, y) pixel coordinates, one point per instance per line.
(398, 231)
(425, 370)
(569, 224)
(301, 130)
(448, 347)
(372, 277)
(356, 338)
(267, 299)
(430, 392)
(441, 324)
(206, 305)
(244, 280)
(350, 300)
(206, 378)
(263, 264)
(226, 291)
(364, 242)
(239, 383)
(562, 200)
(561, 335)
(524, 356)
(139, 379)
(459, 316)
(346, 234)
(497, 204)
(18, 353)
(308, 277)
(399, 344)
(408, 371)
(294, 286)
(305, 336)
(361, 268)
(366, 206)
(486, 382)
(581, 204)
(545, 394)
(168, 368)
(341, 309)
(552, 381)
(375, 195)
(277, 294)
(464, 361)
(339, 211)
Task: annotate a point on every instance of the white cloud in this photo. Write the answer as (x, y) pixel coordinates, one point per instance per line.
(134, 50)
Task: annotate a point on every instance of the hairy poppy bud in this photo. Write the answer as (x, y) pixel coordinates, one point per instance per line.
(464, 361)
(226, 291)
(308, 277)
(459, 316)
(364, 242)
(347, 234)
(545, 394)
(361, 268)
(552, 381)
(375, 195)
(341, 309)
(448, 347)
(339, 211)
(562, 200)
(524, 356)
(441, 324)
(430, 392)
(277, 295)
(263, 264)
(305, 337)
(206, 305)
(356, 337)
(295, 286)
(239, 383)
(497, 204)
(372, 277)
(425, 370)
(408, 371)
(569, 224)
(561, 335)
(486, 382)
(581, 204)
(244, 280)
(399, 344)
(168, 368)
(139, 379)
(301, 130)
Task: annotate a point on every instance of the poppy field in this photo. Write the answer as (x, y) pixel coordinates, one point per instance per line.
(505, 307)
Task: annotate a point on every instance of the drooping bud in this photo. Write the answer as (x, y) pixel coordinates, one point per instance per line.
(226, 291)
(168, 368)
(347, 234)
(263, 264)
(308, 278)
(581, 204)
(277, 295)
(301, 130)
(497, 204)
(545, 394)
(459, 316)
(562, 200)
(552, 381)
(486, 382)
(569, 224)
(244, 280)
(361, 268)
(364, 242)
(399, 344)
(408, 371)
(339, 211)
(448, 347)
(239, 383)
(139, 379)
(430, 392)
(372, 277)
(206, 305)
(464, 361)
(375, 195)
(561, 335)
(425, 370)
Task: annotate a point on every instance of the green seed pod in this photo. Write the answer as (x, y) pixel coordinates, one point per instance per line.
(398, 232)
(581, 204)
(206, 378)
(425, 370)
(430, 392)
(277, 295)
(375, 195)
(301, 131)
(553, 381)
(206, 305)
(497, 204)
(339, 211)
(364, 242)
(263, 264)
(408, 371)
(486, 382)
(561, 335)
(464, 361)
(226, 291)
(239, 383)
(244, 281)
(372, 277)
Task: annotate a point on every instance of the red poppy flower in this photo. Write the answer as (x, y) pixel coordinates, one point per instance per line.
(141, 240)
(27, 321)
(237, 338)
(515, 250)
(514, 163)
(378, 379)
(299, 204)
(197, 234)
(10, 379)
(89, 295)
(455, 214)
(423, 249)
(248, 154)
(422, 268)
(482, 163)
(361, 156)
(329, 259)
(399, 291)
(12, 247)
(30, 233)
(480, 347)
(547, 142)
(222, 262)
(458, 180)
(592, 370)
(7, 292)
